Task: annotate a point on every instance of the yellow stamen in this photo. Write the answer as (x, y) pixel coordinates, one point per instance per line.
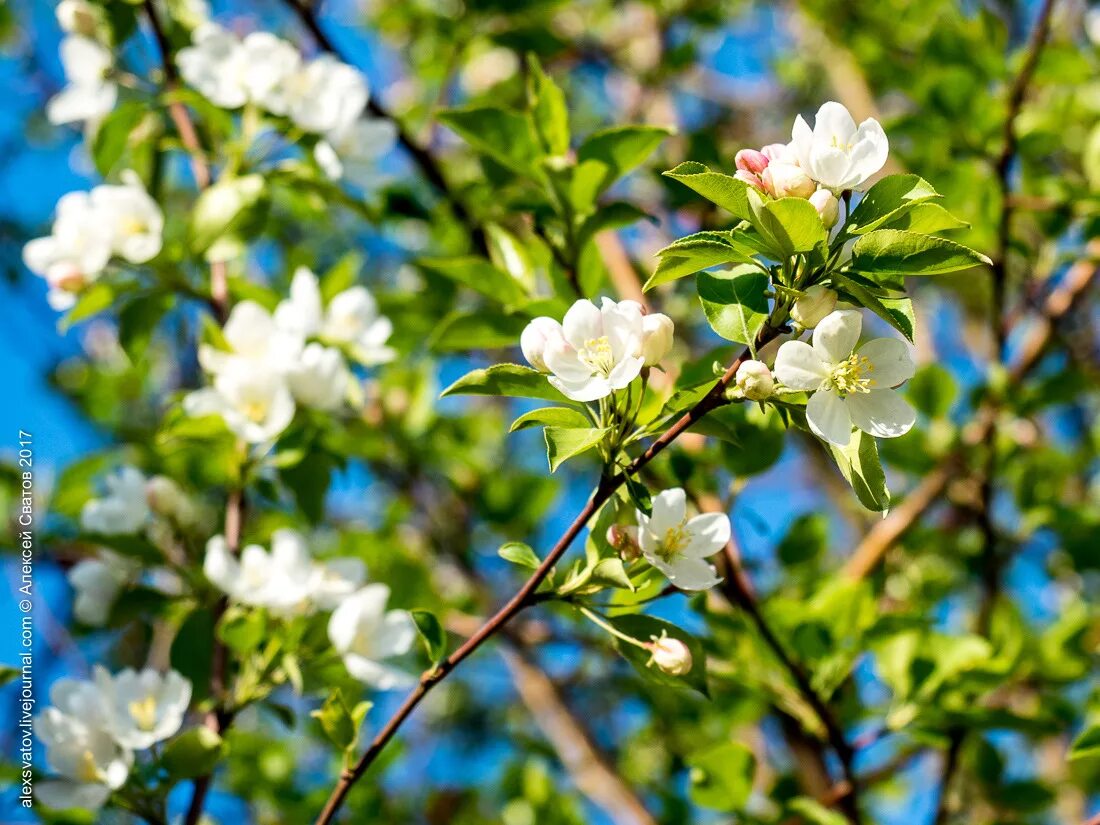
(597, 354)
(851, 375)
(87, 770)
(674, 541)
(144, 712)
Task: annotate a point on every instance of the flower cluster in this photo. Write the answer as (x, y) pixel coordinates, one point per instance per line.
(289, 581)
(595, 351)
(678, 546)
(819, 163)
(89, 93)
(88, 229)
(92, 730)
(322, 96)
(294, 356)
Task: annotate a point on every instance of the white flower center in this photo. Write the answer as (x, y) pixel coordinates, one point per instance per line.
(597, 354)
(674, 541)
(144, 713)
(851, 375)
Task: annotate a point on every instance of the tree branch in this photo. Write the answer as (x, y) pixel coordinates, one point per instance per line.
(604, 490)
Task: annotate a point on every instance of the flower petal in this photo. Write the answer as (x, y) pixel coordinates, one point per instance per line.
(802, 141)
(798, 366)
(828, 417)
(688, 574)
(882, 413)
(837, 335)
(592, 388)
(709, 534)
(833, 120)
(870, 151)
(829, 166)
(581, 323)
(890, 362)
(669, 510)
(624, 372)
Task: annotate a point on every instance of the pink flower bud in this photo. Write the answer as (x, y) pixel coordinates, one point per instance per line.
(750, 179)
(750, 160)
(786, 180)
(777, 153)
(670, 655)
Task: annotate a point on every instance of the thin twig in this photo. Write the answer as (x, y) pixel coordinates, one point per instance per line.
(604, 490)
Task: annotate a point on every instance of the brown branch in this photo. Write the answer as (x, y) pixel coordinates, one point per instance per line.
(950, 766)
(604, 490)
(423, 158)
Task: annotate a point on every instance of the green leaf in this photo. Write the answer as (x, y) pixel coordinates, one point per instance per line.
(241, 629)
(734, 302)
(722, 190)
(551, 417)
(897, 312)
(887, 201)
(511, 380)
(1087, 744)
(193, 753)
(138, 319)
(341, 275)
(93, 300)
(462, 331)
(814, 812)
(694, 253)
(432, 634)
(895, 251)
(860, 465)
(479, 275)
(308, 481)
(932, 390)
(926, 218)
(519, 553)
(563, 443)
(791, 224)
(548, 109)
(507, 137)
(646, 628)
(337, 721)
(128, 127)
(721, 776)
(8, 674)
(610, 572)
(619, 150)
(610, 216)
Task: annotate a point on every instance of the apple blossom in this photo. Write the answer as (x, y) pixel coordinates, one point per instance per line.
(124, 510)
(363, 632)
(319, 378)
(835, 152)
(88, 96)
(143, 708)
(535, 336)
(670, 655)
(74, 253)
(755, 381)
(333, 580)
(279, 580)
(78, 17)
(678, 546)
(352, 152)
(269, 63)
(827, 206)
(251, 397)
(96, 584)
(326, 95)
(817, 302)
(89, 764)
(133, 219)
(253, 335)
(599, 350)
(849, 387)
(787, 180)
(216, 65)
(657, 330)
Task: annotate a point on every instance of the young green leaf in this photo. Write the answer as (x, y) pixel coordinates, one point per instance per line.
(548, 109)
(551, 417)
(695, 253)
(507, 137)
(792, 225)
(620, 150)
(647, 628)
(860, 465)
(887, 201)
(564, 443)
(721, 776)
(479, 275)
(722, 190)
(431, 633)
(337, 722)
(511, 380)
(519, 553)
(895, 251)
(734, 302)
(193, 753)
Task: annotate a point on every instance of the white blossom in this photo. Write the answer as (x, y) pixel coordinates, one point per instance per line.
(253, 336)
(657, 331)
(319, 378)
(88, 95)
(143, 707)
(352, 153)
(253, 399)
(132, 218)
(835, 152)
(679, 546)
(849, 386)
(124, 510)
(74, 253)
(268, 64)
(96, 583)
(326, 96)
(364, 633)
(333, 580)
(827, 206)
(597, 351)
(87, 761)
(216, 65)
(78, 17)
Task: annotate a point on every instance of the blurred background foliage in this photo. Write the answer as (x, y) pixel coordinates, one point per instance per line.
(958, 664)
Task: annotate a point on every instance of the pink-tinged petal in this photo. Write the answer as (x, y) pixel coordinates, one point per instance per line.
(891, 363)
(837, 335)
(582, 323)
(827, 415)
(799, 367)
(669, 510)
(882, 413)
(709, 534)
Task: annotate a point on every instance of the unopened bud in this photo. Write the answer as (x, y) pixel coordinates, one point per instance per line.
(827, 206)
(786, 180)
(66, 277)
(755, 381)
(670, 655)
(750, 160)
(657, 332)
(78, 17)
(750, 179)
(809, 310)
(165, 498)
(624, 541)
(777, 153)
(536, 335)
